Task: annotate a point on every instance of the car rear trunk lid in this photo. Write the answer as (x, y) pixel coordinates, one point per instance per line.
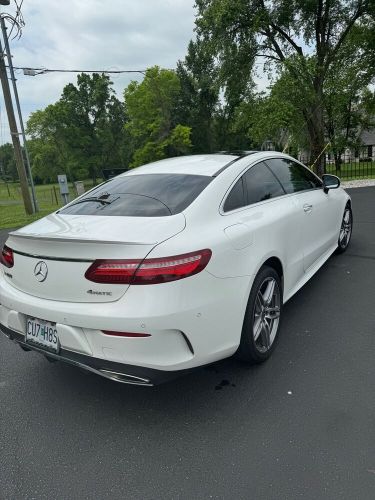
(52, 255)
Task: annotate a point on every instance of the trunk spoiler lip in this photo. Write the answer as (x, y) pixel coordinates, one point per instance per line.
(48, 257)
(66, 239)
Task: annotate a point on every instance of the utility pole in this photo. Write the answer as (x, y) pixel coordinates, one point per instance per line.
(20, 119)
(15, 136)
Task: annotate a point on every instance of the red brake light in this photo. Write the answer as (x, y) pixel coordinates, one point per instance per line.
(112, 271)
(6, 257)
(148, 271)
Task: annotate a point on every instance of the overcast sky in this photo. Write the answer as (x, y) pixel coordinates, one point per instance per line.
(93, 34)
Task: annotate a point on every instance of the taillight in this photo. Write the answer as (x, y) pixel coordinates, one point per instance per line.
(6, 257)
(148, 271)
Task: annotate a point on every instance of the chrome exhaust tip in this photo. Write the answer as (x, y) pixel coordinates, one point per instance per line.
(124, 378)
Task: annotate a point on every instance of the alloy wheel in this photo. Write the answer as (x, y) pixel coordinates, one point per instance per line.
(266, 315)
(346, 228)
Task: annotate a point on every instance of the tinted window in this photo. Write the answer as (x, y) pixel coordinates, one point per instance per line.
(236, 198)
(293, 177)
(148, 195)
(261, 184)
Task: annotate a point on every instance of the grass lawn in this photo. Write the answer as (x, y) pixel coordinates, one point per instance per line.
(352, 171)
(12, 212)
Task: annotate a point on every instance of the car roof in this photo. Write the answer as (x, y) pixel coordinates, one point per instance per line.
(208, 164)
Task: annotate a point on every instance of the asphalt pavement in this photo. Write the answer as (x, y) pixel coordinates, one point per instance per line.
(300, 426)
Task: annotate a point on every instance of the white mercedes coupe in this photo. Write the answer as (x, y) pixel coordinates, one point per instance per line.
(172, 265)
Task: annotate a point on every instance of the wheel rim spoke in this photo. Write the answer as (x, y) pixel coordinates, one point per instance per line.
(268, 293)
(258, 325)
(266, 334)
(259, 303)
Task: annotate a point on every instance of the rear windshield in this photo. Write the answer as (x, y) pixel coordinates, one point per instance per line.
(148, 195)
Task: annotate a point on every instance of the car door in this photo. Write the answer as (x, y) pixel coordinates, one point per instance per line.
(318, 209)
(260, 215)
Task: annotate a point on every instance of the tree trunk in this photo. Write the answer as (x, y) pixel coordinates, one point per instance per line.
(338, 161)
(318, 158)
(315, 126)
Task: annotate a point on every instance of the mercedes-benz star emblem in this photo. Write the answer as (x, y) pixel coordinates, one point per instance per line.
(41, 270)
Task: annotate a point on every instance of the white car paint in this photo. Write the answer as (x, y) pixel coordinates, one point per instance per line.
(192, 321)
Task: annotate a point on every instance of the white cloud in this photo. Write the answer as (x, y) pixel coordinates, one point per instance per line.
(94, 34)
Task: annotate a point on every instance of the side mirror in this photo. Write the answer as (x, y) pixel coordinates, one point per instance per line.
(330, 182)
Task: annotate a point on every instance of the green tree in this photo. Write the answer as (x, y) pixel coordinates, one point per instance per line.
(273, 119)
(152, 124)
(94, 120)
(305, 38)
(348, 101)
(8, 169)
(348, 106)
(210, 95)
(199, 96)
(82, 133)
(48, 149)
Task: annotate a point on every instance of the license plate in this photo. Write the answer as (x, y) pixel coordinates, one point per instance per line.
(42, 334)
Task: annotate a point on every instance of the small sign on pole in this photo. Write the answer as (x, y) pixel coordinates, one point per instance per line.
(64, 188)
(80, 187)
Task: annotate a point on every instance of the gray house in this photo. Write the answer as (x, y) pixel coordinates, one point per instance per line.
(367, 150)
(364, 152)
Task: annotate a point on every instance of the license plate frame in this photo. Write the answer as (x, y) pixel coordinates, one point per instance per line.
(42, 334)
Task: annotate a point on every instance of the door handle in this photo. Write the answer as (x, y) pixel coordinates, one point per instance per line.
(307, 207)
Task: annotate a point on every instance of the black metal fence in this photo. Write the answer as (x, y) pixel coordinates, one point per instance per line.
(348, 166)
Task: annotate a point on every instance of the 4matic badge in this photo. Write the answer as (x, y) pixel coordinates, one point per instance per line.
(97, 292)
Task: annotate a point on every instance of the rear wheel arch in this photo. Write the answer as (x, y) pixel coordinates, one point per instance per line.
(276, 264)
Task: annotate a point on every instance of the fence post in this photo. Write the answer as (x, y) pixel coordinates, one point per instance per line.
(54, 190)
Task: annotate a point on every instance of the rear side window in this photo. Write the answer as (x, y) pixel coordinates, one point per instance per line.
(257, 184)
(236, 198)
(293, 177)
(261, 184)
(147, 195)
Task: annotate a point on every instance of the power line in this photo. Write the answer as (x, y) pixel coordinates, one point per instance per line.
(17, 21)
(39, 71)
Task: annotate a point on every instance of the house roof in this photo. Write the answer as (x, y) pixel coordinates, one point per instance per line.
(367, 137)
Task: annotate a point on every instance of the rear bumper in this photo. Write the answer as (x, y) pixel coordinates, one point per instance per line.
(118, 372)
(191, 322)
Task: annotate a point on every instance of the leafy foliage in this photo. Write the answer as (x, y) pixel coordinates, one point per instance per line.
(199, 95)
(8, 169)
(152, 123)
(80, 134)
(304, 39)
(319, 56)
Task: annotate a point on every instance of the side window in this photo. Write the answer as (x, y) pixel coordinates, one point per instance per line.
(293, 177)
(236, 198)
(261, 184)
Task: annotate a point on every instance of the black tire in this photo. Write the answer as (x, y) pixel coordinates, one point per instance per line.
(251, 349)
(346, 230)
